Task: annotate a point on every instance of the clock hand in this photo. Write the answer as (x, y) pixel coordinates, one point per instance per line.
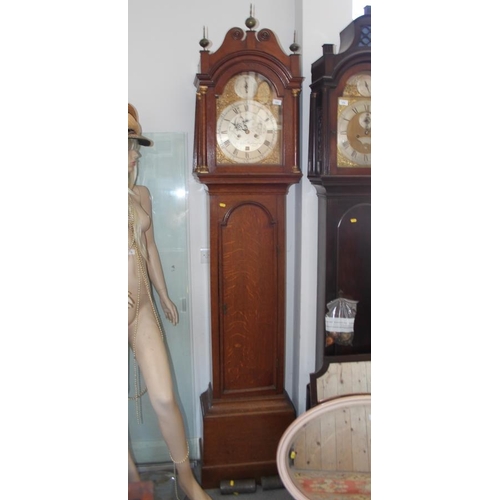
(368, 124)
(367, 88)
(238, 124)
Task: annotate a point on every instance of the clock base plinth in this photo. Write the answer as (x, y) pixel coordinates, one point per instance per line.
(241, 436)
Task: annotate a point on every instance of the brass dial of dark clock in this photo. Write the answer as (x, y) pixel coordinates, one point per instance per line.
(354, 123)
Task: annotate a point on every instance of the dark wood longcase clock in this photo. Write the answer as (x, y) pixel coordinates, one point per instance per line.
(247, 154)
(339, 166)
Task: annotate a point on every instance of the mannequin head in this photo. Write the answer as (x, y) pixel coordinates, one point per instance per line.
(135, 129)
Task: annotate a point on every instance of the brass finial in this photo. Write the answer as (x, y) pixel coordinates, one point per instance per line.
(204, 42)
(294, 46)
(251, 22)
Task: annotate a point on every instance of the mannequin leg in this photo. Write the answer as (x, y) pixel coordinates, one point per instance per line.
(155, 367)
(133, 474)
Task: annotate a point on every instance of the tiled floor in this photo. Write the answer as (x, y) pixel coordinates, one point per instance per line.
(164, 482)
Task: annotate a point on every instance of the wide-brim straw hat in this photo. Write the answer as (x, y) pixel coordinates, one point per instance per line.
(134, 127)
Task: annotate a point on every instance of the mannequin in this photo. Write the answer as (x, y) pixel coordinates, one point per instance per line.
(145, 334)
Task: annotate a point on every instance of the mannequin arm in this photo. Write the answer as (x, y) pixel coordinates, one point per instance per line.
(155, 269)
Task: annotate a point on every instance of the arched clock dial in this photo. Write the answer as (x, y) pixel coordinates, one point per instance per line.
(248, 127)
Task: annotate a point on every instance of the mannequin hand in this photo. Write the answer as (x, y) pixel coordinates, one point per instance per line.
(130, 300)
(170, 310)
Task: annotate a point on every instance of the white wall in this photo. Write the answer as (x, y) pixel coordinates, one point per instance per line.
(163, 61)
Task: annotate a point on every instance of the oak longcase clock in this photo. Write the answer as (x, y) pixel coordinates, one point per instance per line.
(247, 154)
(339, 166)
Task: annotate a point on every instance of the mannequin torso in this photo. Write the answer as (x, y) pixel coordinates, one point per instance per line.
(138, 293)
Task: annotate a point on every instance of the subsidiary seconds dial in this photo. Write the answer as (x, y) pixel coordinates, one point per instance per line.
(247, 132)
(245, 86)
